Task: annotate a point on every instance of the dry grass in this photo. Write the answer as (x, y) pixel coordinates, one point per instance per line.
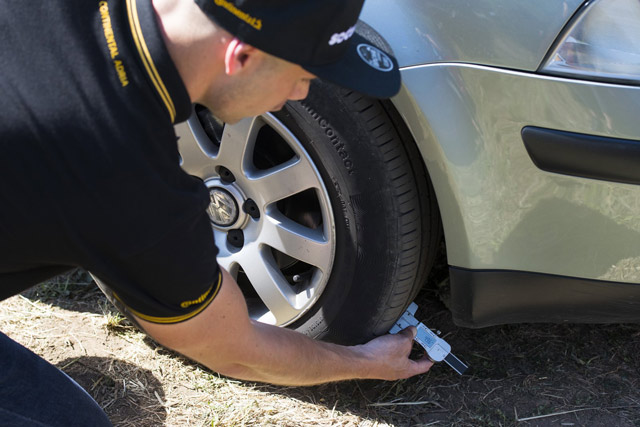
(525, 375)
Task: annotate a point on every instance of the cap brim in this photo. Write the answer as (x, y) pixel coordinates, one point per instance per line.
(368, 66)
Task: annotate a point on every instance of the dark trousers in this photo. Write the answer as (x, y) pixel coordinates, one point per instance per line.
(35, 393)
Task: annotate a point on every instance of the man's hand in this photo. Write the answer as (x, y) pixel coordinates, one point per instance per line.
(226, 340)
(391, 356)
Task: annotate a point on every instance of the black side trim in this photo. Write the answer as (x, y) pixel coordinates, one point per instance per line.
(587, 156)
(482, 298)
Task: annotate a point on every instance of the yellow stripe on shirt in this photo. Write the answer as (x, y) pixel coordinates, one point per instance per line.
(175, 319)
(145, 56)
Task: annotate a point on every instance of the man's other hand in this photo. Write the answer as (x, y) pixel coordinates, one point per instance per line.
(389, 355)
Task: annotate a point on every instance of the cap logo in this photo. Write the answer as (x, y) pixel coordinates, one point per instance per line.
(375, 57)
(254, 22)
(338, 38)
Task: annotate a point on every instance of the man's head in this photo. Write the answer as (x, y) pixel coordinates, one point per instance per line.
(262, 53)
(322, 36)
(254, 82)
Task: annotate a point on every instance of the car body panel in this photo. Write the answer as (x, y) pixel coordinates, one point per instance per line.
(499, 211)
(481, 298)
(504, 33)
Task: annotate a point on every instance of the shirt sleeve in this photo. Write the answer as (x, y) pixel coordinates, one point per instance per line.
(171, 281)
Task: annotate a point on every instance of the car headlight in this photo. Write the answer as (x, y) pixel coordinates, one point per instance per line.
(601, 43)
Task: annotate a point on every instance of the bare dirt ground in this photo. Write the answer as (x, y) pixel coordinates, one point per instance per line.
(525, 375)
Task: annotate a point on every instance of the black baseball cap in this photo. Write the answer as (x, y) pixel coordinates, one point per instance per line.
(322, 36)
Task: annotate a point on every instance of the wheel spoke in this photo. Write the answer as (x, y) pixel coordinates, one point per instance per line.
(284, 181)
(297, 241)
(270, 285)
(195, 161)
(238, 142)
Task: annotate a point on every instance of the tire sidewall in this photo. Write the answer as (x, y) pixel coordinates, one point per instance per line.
(352, 171)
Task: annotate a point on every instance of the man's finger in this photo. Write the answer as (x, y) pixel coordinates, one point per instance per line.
(409, 332)
(421, 366)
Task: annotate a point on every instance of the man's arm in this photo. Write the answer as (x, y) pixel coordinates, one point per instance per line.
(226, 340)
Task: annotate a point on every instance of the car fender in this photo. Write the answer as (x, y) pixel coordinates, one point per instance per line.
(491, 32)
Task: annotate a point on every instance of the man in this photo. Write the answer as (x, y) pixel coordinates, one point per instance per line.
(89, 93)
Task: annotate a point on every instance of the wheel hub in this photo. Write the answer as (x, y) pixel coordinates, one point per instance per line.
(224, 209)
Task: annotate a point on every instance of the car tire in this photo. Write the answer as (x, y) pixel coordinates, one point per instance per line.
(386, 217)
(335, 224)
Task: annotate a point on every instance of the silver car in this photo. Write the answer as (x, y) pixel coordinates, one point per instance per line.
(515, 137)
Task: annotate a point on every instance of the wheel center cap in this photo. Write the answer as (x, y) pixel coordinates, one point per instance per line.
(223, 208)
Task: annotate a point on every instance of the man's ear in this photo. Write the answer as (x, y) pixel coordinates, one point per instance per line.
(236, 56)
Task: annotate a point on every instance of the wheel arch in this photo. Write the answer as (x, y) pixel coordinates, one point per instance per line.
(434, 160)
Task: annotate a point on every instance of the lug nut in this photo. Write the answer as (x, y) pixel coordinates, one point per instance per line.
(226, 175)
(235, 238)
(251, 208)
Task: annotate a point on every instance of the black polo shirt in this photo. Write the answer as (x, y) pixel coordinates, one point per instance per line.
(89, 167)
